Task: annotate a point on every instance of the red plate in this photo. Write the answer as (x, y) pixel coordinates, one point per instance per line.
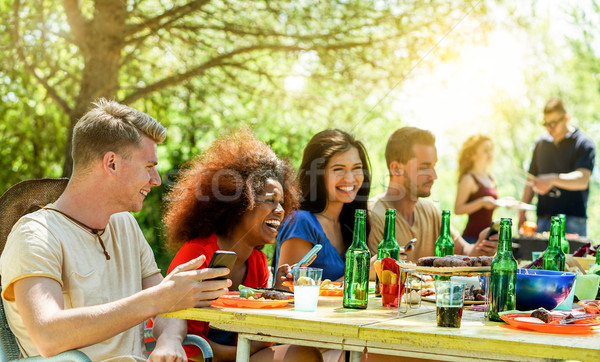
(233, 300)
(578, 327)
(338, 291)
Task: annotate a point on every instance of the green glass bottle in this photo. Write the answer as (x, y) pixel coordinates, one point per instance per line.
(444, 244)
(564, 244)
(554, 258)
(356, 276)
(388, 247)
(503, 282)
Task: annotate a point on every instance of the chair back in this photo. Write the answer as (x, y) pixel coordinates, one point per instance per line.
(25, 197)
(19, 200)
(9, 349)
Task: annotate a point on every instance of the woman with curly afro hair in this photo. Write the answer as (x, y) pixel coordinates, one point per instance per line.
(232, 198)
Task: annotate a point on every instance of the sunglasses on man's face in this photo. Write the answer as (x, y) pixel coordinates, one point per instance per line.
(553, 124)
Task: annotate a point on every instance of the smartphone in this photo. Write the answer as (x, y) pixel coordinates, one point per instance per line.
(223, 259)
(306, 258)
(494, 229)
(409, 245)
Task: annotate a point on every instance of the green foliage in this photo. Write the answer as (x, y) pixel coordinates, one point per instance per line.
(206, 69)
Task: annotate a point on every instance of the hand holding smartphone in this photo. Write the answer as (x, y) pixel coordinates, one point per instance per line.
(409, 245)
(494, 229)
(223, 259)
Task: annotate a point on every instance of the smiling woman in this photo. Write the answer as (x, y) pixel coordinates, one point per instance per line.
(335, 179)
(232, 198)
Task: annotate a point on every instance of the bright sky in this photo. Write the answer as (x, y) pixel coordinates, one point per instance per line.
(459, 94)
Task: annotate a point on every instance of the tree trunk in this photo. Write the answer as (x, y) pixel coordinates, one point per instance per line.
(102, 42)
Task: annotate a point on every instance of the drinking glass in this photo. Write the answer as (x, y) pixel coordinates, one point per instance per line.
(408, 297)
(307, 283)
(449, 301)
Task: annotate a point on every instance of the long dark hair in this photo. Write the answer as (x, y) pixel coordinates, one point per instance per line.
(317, 153)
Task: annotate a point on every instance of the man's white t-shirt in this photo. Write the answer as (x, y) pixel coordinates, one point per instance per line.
(48, 244)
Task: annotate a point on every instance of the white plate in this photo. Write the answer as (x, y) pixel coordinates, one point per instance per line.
(514, 204)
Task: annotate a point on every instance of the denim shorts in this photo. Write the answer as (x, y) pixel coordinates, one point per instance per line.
(573, 225)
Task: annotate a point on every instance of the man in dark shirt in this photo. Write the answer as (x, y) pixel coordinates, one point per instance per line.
(562, 164)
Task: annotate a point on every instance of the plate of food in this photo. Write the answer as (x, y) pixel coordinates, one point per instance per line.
(541, 320)
(512, 203)
(257, 301)
(328, 288)
(421, 281)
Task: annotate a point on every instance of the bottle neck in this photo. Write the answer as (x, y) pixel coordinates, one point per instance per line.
(389, 233)
(505, 239)
(445, 229)
(555, 235)
(359, 239)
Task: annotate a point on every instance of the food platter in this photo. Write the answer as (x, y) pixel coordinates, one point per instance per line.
(460, 270)
(517, 320)
(233, 300)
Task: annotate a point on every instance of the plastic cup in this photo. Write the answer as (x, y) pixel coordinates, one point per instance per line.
(587, 286)
(449, 302)
(307, 282)
(390, 288)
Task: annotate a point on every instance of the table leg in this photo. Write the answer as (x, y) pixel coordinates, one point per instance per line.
(243, 349)
(355, 356)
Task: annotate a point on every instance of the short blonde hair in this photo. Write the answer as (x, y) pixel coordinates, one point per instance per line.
(111, 126)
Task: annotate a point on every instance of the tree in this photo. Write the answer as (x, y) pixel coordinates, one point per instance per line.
(67, 54)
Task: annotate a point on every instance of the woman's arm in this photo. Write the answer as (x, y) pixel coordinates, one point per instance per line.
(292, 250)
(466, 187)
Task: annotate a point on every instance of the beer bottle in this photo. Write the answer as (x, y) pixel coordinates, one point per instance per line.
(503, 283)
(356, 276)
(388, 247)
(444, 244)
(554, 258)
(564, 244)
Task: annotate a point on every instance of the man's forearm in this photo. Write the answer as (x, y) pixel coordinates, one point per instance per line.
(527, 194)
(74, 328)
(574, 181)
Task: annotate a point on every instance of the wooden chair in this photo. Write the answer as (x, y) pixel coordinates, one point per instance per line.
(21, 199)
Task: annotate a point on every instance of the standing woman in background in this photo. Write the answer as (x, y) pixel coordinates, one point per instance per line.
(476, 194)
(335, 180)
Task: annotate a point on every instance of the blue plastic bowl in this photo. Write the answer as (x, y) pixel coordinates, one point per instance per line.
(542, 288)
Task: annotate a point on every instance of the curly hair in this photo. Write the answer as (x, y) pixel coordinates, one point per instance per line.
(319, 150)
(465, 157)
(221, 185)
